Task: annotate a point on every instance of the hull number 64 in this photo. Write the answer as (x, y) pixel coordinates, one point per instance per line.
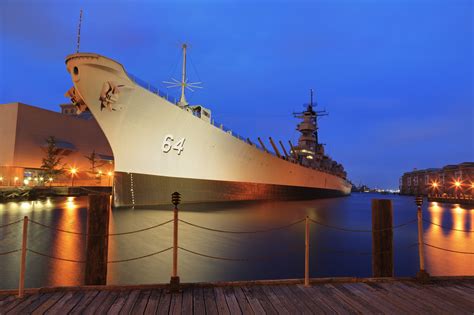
(169, 143)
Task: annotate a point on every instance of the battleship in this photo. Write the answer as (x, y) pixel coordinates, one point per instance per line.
(161, 145)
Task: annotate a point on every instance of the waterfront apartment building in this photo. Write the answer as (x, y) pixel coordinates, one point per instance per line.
(450, 181)
(23, 133)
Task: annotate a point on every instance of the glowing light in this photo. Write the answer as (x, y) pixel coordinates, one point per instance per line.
(309, 157)
(457, 184)
(50, 179)
(435, 184)
(109, 173)
(1, 179)
(73, 171)
(26, 182)
(41, 178)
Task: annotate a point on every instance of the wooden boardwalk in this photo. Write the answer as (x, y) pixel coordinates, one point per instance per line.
(391, 296)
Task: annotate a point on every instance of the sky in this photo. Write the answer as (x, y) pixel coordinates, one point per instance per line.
(396, 77)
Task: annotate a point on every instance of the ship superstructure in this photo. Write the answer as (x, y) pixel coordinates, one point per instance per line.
(162, 145)
(309, 151)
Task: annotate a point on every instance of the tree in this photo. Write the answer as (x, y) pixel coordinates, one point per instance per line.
(94, 162)
(51, 163)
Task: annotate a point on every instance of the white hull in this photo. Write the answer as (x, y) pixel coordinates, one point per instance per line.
(141, 120)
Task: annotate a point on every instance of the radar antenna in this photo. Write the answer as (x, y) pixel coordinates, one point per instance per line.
(184, 83)
(79, 33)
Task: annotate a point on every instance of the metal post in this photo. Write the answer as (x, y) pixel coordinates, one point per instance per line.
(306, 258)
(174, 281)
(21, 287)
(175, 242)
(422, 274)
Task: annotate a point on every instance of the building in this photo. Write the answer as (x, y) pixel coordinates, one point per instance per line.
(23, 133)
(451, 181)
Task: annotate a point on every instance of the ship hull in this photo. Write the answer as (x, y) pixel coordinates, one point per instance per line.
(133, 189)
(174, 150)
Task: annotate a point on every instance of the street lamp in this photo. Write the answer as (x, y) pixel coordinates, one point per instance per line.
(73, 173)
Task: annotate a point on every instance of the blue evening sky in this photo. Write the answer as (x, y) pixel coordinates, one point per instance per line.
(395, 76)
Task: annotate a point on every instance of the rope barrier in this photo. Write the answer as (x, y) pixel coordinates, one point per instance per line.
(140, 257)
(449, 250)
(260, 258)
(110, 234)
(447, 228)
(361, 231)
(10, 252)
(240, 232)
(54, 257)
(11, 223)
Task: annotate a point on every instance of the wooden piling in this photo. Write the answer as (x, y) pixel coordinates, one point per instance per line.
(382, 238)
(306, 252)
(97, 239)
(21, 286)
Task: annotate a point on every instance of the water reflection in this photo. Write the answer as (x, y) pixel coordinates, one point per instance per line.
(285, 246)
(453, 234)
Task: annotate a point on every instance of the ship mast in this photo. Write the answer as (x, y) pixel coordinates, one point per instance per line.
(183, 84)
(182, 100)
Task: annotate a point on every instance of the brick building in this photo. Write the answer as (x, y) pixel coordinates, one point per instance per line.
(451, 180)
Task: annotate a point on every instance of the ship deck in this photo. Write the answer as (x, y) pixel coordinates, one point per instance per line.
(447, 296)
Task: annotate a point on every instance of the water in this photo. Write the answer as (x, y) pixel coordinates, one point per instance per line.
(280, 254)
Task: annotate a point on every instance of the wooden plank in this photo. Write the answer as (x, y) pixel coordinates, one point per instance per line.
(231, 300)
(119, 302)
(164, 304)
(221, 302)
(283, 298)
(153, 301)
(84, 302)
(8, 299)
(421, 300)
(129, 302)
(107, 303)
(48, 303)
(198, 301)
(326, 297)
(95, 303)
(423, 295)
(302, 298)
(210, 300)
(65, 302)
(244, 304)
(187, 304)
(315, 299)
(294, 301)
(368, 298)
(16, 306)
(415, 306)
(351, 302)
(467, 305)
(253, 301)
(276, 302)
(31, 307)
(142, 300)
(264, 301)
(176, 303)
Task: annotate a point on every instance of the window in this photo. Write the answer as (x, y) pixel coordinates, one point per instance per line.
(427, 179)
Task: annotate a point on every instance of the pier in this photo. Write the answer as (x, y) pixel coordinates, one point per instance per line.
(330, 296)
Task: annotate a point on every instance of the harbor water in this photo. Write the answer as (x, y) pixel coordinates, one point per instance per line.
(275, 254)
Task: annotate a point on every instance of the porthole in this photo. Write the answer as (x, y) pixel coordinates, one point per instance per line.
(76, 71)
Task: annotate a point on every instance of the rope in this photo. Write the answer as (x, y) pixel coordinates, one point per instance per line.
(140, 257)
(362, 231)
(54, 257)
(11, 223)
(10, 252)
(261, 258)
(450, 250)
(109, 234)
(241, 232)
(447, 228)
